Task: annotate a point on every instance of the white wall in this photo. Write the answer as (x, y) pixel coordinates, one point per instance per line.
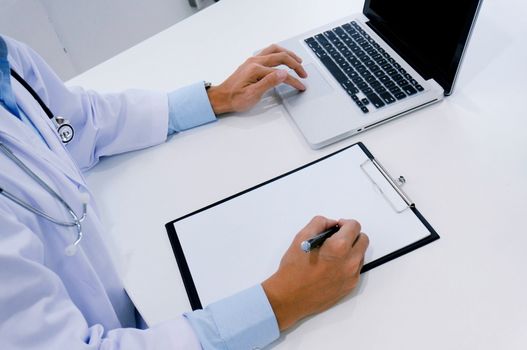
(27, 21)
(75, 35)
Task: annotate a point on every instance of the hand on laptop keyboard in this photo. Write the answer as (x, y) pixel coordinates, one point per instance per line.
(258, 74)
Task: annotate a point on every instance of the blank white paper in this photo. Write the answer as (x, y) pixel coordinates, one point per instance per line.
(239, 243)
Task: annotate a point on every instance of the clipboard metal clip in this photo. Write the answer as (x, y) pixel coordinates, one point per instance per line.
(395, 184)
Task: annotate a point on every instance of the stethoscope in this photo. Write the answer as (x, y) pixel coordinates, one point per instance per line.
(66, 133)
(64, 128)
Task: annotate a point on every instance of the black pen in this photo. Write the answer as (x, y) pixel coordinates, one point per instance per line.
(319, 239)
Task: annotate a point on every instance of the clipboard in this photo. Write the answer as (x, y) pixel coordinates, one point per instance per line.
(238, 242)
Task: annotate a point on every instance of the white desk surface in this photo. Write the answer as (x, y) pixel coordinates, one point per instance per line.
(465, 160)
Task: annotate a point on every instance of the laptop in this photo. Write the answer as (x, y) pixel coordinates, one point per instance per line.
(396, 57)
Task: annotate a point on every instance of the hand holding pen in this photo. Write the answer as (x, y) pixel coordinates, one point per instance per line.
(310, 283)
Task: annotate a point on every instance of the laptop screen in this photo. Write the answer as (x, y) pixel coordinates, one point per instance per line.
(431, 36)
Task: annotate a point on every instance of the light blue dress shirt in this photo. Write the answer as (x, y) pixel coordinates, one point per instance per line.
(242, 321)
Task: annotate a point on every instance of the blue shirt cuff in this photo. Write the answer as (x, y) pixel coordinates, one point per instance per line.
(242, 321)
(189, 107)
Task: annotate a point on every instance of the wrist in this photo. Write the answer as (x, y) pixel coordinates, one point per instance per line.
(219, 100)
(284, 313)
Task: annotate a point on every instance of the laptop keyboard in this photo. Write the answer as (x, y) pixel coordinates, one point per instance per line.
(363, 68)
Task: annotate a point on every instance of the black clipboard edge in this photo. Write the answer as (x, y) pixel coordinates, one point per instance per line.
(409, 248)
(188, 281)
(184, 269)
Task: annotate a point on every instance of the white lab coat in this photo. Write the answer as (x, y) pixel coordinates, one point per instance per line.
(47, 299)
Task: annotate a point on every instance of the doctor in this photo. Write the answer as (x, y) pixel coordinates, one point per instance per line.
(58, 288)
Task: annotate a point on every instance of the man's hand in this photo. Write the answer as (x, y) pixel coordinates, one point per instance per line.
(308, 283)
(246, 86)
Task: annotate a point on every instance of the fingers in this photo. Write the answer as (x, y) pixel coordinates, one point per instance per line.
(275, 77)
(341, 244)
(361, 244)
(317, 225)
(261, 71)
(276, 49)
(349, 230)
(282, 58)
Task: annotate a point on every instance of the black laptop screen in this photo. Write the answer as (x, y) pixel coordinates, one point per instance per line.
(429, 35)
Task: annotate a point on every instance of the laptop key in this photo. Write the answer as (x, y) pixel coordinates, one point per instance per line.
(402, 83)
(419, 87)
(360, 68)
(409, 89)
(347, 84)
(384, 79)
(397, 77)
(365, 101)
(357, 79)
(394, 89)
(333, 69)
(380, 89)
(375, 100)
(320, 52)
(399, 95)
(362, 86)
(351, 73)
(387, 97)
(364, 109)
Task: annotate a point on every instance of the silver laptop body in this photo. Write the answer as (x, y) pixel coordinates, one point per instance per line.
(328, 112)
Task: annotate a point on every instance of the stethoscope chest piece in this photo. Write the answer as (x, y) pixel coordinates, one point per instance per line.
(64, 129)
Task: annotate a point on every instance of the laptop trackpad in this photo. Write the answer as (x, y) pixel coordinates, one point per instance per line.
(316, 86)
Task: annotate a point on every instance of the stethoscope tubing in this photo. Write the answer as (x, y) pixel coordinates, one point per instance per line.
(33, 93)
(76, 220)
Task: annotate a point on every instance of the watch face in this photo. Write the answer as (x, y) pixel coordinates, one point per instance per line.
(65, 133)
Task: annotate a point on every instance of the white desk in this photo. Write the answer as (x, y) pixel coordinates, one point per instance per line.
(465, 160)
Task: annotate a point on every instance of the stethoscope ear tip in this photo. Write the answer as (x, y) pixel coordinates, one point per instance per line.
(70, 250)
